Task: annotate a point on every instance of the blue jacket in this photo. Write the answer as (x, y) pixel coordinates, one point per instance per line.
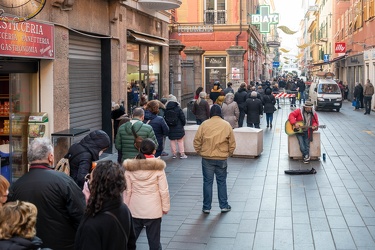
(159, 126)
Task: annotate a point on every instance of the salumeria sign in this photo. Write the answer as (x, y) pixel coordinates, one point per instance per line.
(264, 18)
(27, 39)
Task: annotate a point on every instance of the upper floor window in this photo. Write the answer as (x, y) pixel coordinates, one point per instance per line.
(215, 12)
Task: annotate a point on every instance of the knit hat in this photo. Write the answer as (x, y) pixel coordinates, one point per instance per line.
(171, 98)
(215, 111)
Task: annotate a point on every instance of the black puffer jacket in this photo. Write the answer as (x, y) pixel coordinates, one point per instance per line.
(82, 154)
(240, 98)
(253, 109)
(268, 101)
(178, 131)
(18, 243)
(60, 203)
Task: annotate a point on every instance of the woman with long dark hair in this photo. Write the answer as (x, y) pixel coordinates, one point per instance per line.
(107, 223)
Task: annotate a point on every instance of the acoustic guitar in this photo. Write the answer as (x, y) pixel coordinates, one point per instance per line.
(291, 130)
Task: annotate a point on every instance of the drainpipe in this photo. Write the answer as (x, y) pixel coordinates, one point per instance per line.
(240, 23)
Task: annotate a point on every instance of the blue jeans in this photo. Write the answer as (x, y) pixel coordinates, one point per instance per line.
(209, 169)
(302, 97)
(269, 118)
(357, 103)
(304, 143)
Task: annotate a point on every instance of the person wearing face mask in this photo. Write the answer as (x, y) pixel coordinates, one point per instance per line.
(82, 154)
(309, 118)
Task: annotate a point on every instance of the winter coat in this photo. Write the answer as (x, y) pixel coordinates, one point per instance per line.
(115, 114)
(240, 98)
(215, 139)
(103, 232)
(18, 243)
(60, 203)
(253, 109)
(228, 90)
(215, 93)
(178, 131)
(358, 91)
(159, 126)
(369, 90)
(147, 193)
(269, 102)
(201, 110)
(230, 110)
(219, 100)
(301, 86)
(297, 115)
(125, 139)
(83, 153)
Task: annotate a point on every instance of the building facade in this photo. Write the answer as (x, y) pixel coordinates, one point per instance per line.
(219, 41)
(74, 61)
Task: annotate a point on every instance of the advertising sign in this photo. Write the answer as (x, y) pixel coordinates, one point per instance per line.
(264, 18)
(27, 39)
(340, 47)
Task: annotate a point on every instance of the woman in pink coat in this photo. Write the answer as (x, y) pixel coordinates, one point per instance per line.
(147, 193)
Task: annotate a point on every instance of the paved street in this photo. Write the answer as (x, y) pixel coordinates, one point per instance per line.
(333, 209)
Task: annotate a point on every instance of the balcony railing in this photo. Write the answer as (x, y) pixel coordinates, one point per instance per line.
(215, 16)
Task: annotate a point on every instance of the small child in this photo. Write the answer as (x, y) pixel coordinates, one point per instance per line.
(147, 193)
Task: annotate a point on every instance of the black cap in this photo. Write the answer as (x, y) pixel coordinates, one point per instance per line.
(215, 111)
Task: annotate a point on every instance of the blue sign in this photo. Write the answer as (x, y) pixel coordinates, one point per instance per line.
(326, 58)
(276, 64)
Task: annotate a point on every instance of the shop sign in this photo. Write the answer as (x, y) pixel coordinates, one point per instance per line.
(27, 39)
(340, 47)
(195, 29)
(215, 62)
(264, 19)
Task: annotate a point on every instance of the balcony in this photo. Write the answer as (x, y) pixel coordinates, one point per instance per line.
(160, 4)
(215, 16)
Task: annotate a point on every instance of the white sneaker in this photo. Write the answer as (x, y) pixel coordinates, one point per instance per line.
(183, 156)
(174, 156)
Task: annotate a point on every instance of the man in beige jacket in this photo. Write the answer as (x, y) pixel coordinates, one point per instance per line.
(215, 142)
(368, 92)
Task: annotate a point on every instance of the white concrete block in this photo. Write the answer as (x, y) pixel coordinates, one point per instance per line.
(249, 142)
(294, 151)
(190, 131)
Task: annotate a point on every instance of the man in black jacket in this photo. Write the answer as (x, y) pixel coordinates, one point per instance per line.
(240, 98)
(59, 200)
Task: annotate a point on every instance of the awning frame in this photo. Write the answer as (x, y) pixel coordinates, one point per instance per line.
(146, 38)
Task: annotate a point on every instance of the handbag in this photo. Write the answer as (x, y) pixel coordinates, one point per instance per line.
(354, 103)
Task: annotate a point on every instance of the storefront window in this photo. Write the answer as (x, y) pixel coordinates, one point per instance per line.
(215, 70)
(143, 73)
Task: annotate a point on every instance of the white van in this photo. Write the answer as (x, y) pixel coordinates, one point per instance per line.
(325, 94)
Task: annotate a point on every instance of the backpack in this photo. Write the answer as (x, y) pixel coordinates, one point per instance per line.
(171, 117)
(137, 139)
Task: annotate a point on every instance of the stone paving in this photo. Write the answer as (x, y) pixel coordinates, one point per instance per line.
(333, 209)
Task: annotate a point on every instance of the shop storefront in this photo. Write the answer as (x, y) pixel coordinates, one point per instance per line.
(143, 67)
(24, 48)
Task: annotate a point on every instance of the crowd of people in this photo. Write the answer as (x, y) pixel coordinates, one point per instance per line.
(104, 204)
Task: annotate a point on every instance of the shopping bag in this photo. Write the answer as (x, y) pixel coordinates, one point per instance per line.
(354, 103)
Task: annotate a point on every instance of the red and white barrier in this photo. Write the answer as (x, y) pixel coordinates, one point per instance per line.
(284, 95)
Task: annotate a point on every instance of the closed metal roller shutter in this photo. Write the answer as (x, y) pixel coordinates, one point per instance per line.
(85, 102)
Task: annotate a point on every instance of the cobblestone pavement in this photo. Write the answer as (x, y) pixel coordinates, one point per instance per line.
(333, 209)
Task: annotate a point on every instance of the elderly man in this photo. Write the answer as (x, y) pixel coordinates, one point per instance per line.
(59, 200)
(215, 142)
(125, 138)
(305, 118)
